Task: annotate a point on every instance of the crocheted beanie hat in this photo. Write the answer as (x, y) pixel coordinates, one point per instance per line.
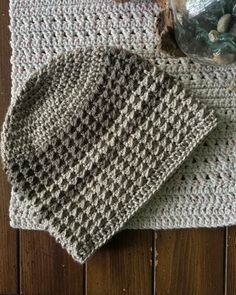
(91, 136)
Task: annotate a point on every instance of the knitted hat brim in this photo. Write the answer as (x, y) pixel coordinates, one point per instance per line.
(92, 136)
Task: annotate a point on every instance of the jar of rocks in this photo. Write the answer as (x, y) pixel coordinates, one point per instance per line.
(205, 30)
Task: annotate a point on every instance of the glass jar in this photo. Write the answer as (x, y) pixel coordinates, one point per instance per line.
(205, 30)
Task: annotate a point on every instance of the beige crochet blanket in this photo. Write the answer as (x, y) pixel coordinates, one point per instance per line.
(200, 194)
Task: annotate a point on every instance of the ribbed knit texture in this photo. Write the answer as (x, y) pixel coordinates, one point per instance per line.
(202, 193)
(92, 136)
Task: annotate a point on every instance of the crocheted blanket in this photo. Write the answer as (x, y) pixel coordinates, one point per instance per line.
(202, 193)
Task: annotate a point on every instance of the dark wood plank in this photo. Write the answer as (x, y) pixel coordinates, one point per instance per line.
(123, 266)
(8, 243)
(231, 261)
(190, 262)
(8, 236)
(46, 269)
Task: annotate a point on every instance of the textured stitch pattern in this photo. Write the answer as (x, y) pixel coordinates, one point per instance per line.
(202, 193)
(92, 136)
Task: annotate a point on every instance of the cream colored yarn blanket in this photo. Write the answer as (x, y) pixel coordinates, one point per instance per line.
(202, 193)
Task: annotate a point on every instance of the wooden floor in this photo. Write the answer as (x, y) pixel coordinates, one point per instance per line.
(178, 262)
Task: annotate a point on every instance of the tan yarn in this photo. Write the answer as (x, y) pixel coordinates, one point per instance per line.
(91, 137)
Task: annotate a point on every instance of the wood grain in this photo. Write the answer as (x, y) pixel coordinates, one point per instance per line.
(46, 269)
(8, 236)
(231, 261)
(8, 244)
(190, 262)
(124, 266)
